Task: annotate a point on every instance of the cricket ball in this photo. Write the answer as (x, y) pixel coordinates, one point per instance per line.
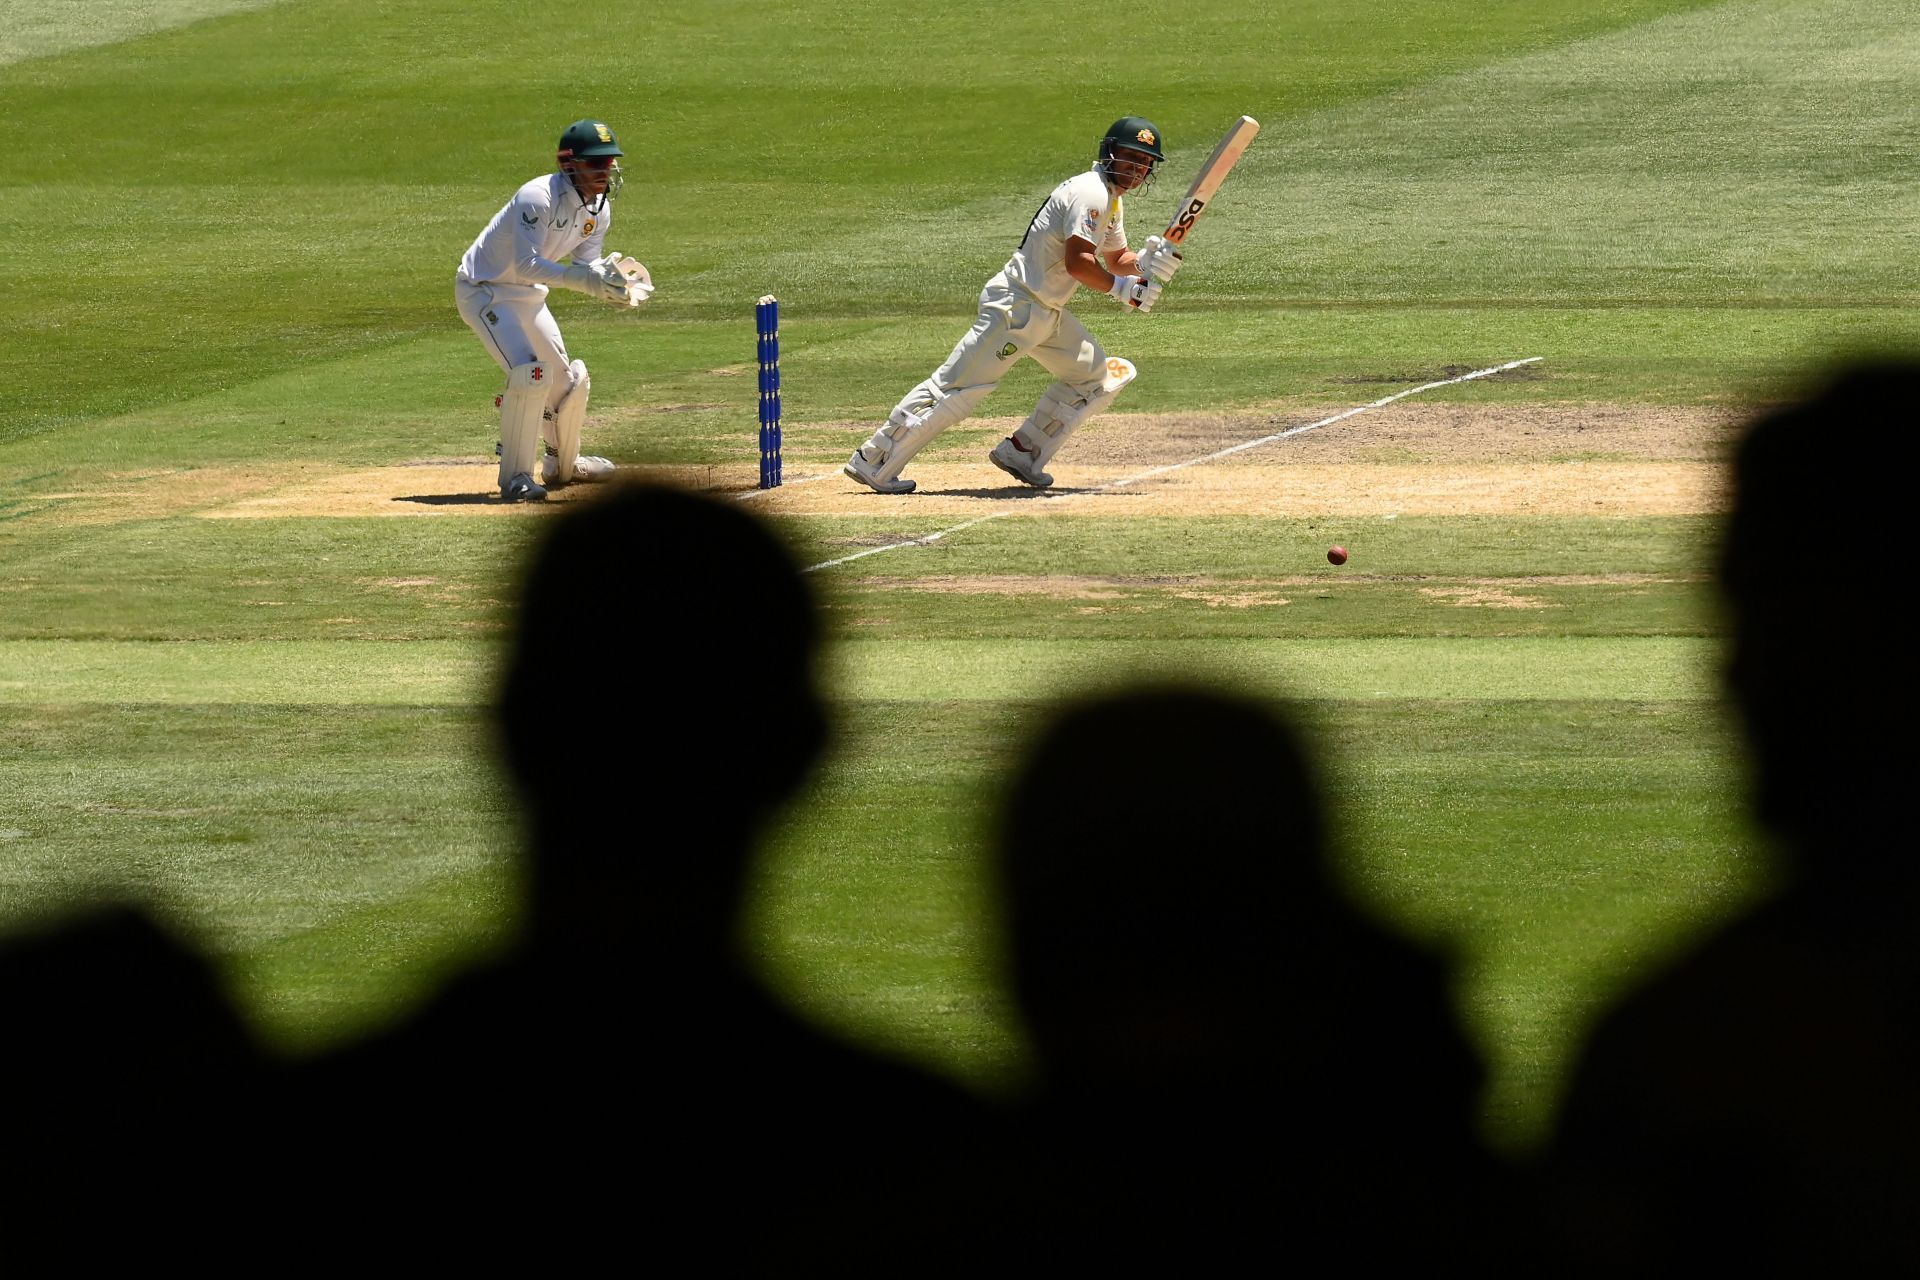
(1336, 555)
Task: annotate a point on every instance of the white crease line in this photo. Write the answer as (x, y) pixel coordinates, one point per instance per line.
(912, 542)
(1178, 466)
(758, 493)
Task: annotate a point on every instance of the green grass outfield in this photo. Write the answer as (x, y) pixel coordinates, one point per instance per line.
(230, 231)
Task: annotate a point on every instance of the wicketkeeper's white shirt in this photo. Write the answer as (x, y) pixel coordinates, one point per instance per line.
(1081, 206)
(544, 222)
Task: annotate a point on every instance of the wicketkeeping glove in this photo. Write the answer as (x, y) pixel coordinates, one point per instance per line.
(598, 280)
(632, 272)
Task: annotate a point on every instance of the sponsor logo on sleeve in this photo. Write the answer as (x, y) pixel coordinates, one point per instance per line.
(529, 217)
(1088, 223)
(492, 318)
(1008, 350)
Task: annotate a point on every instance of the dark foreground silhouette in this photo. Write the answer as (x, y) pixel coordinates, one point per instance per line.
(130, 1084)
(1235, 1062)
(1758, 1105)
(622, 1070)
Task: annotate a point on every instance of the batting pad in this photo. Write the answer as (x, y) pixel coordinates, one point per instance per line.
(905, 434)
(1062, 409)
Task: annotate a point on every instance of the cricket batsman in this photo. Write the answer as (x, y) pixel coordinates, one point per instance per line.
(1077, 238)
(501, 290)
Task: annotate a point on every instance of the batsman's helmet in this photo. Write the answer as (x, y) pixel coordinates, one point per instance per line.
(1134, 134)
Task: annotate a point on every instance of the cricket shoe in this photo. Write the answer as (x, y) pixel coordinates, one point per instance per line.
(858, 468)
(586, 470)
(1018, 463)
(522, 489)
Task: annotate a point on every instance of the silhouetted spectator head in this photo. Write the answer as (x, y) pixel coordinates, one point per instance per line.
(106, 994)
(135, 1095)
(1813, 568)
(1228, 1048)
(659, 705)
(1159, 848)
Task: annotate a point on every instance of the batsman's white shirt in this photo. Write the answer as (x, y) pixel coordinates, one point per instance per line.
(544, 222)
(1081, 206)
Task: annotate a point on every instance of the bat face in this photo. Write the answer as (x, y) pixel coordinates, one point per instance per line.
(1183, 220)
(1211, 175)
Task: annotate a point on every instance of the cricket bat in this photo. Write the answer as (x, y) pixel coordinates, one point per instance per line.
(1208, 180)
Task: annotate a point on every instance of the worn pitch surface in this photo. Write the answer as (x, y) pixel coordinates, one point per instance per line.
(1588, 460)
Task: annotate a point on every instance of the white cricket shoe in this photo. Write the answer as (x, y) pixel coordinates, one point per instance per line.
(1019, 464)
(587, 469)
(858, 468)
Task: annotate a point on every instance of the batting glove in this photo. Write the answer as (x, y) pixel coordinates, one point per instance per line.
(1134, 293)
(1159, 259)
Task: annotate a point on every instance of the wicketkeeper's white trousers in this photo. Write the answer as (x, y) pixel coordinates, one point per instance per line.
(516, 328)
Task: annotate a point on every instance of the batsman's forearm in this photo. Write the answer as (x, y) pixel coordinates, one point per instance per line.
(1090, 273)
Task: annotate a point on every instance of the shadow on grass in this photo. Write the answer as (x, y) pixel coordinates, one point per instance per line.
(452, 499)
(1007, 494)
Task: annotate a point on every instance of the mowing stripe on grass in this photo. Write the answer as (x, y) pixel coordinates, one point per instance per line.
(1156, 472)
(448, 673)
(1505, 668)
(38, 28)
(225, 672)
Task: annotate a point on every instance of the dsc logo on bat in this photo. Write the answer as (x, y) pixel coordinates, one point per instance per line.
(1184, 223)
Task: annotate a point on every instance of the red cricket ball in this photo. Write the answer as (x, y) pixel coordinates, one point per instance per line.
(1336, 555)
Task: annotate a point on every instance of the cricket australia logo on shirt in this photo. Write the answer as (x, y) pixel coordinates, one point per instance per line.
(587, 226)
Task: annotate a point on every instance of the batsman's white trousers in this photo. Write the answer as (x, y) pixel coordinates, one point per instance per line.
(1010, 325)
(516, 328)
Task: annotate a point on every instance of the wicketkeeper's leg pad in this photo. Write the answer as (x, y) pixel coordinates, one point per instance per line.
(522, 411)
(569, 416)
(1062, 408)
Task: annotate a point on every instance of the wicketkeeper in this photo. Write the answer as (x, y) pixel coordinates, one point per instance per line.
(501, 289)
(1077, 238)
